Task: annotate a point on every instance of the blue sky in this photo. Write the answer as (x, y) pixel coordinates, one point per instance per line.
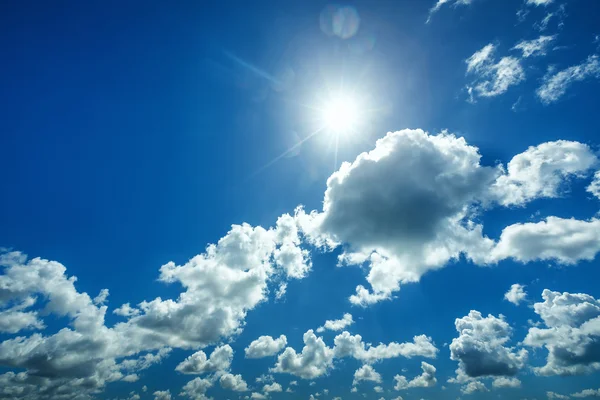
(208, 200)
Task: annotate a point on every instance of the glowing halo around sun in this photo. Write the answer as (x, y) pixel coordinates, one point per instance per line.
(340, 115)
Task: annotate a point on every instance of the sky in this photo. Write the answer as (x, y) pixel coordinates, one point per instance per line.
(265, 200)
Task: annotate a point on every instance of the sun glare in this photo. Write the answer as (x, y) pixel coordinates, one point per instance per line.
(341, 115)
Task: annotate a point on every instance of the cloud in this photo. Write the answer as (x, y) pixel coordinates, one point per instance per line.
(162, 395)
(473, 387)
(541, 171)
(314, 361)
(14, 319)
(565, 241)
(552, 395)
(587, 393)
(426, 379)
(492, 78)
(481, 350)
(366, 373)
(555, 85)
(337, 324)
(196, 389)
(441, 3)
(516, 294)
(539, 2)
(535, 47)
(233, 382)
(273, 387)
(571, 333)
(126, 311)
(403, 225)
(265, 346)
(594, 187)
(197, 363)
(102, 297)
(347, 345)
(504, 382)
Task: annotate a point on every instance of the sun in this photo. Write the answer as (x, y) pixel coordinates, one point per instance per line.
(341, 114)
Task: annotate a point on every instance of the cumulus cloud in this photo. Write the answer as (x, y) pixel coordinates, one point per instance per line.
(273, 387)
(366, 373)
(587, 393)
(314, 360)
(162, 395)
(473, 387)
(594, 187)
(233, 382)
(571, 333)
(426, 379)
(265, 346)
(555, 85)
(126, 311)
(197, 363)
(541, 171)
(492, 78)
(337, 324)
(504, 382)
(347, 345)
(481, 350)
(556, 396)
(196, 389)
(539, 2)
(535, 47)
(565, 241)
(403, 225)
(516, 294)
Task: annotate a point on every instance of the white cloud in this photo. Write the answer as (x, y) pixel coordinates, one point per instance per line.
(273, 387)
(516, 294)
(295, 261)
(539, 2)
(366, 373)
(162, 395)
(233, 382)
(101, 298)
(403, 224)
(347, 345)
(258, 396)
(594, 187)
(493, 78)
(571, 333)
(441, 3)
(426, 379)
(197, 363)
(378, 389)
(473, 387)
(565, 241)
(556, 396)
(196, 389)
(265, 346)
(542, 170)
(504, 382)
(126, 311)
(481, 350)
(587, 393)
(314, 361)
(15, 319)
(555, 85)
(337, 324)
(535, 47)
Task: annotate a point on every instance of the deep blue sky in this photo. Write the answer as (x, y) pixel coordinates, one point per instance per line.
(132, 135)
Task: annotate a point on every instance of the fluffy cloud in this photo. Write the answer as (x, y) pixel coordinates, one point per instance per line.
(541, 171)
(535, 47)
(197, 363)
(233, 382)
(314, 361)
(126, 311)
(587, 393)
(555, 85)
(426, 379)
(594, 187)
(571, 333)
(265, 346)
(401, 224)
(556, 396)
(162, 395)
(337, 324)
(566, 241)
(516, 294)
(473, 387)
(493, 78)
(504, 382)
(273, 387)
(196, 389)
(481, 350)
(347, 345)
(366, 373)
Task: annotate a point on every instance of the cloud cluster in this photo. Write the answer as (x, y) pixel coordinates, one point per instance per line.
(426, 379)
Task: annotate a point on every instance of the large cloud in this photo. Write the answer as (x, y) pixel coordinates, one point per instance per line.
(481, 350)
(315, 359)
(571, 333)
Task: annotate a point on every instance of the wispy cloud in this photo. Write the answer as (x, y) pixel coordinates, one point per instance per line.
(555, 85)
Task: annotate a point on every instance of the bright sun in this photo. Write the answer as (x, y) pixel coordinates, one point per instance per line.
(341, 115)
